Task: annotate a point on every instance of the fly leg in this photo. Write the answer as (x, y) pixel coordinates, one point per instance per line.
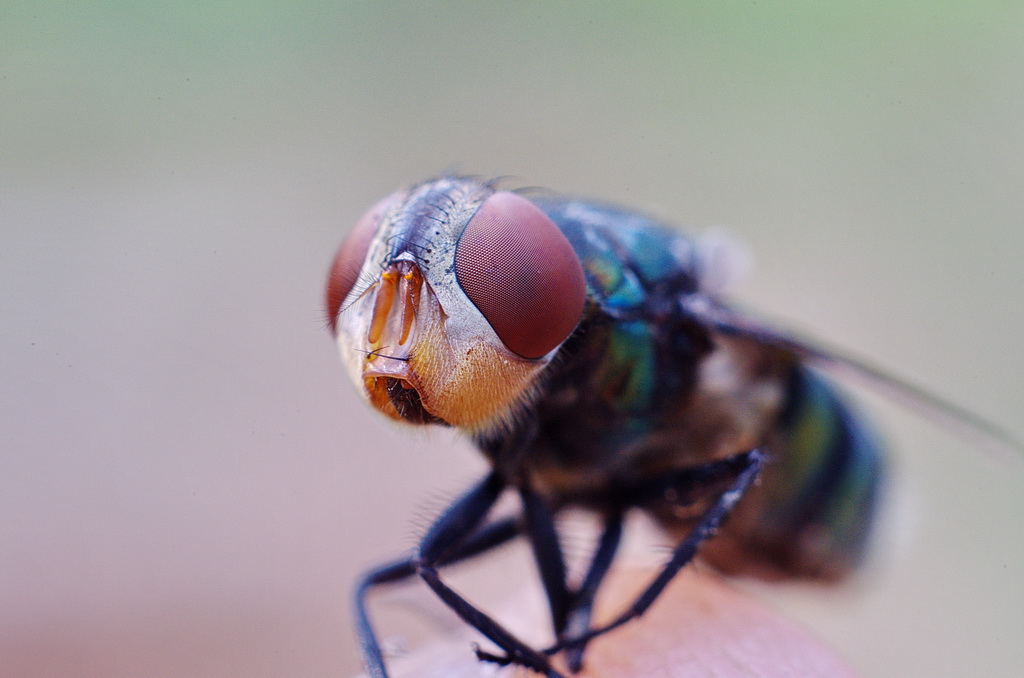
(487, 538)
(539, 527)
(570, 610)
(547, 552)
(583, 602)
(441, 541)
(744, 468)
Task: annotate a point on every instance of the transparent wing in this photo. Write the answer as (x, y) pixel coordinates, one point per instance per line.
(954, 417)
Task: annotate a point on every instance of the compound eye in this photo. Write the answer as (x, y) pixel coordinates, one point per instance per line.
(349, 259)
(520, 271)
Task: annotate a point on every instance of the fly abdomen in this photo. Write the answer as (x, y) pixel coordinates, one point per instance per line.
(831, 469)
(812, 515)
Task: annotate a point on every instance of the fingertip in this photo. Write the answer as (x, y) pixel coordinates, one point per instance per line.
(703, 626)
(700, 627)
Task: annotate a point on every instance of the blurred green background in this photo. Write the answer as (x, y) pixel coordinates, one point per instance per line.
(188, 484)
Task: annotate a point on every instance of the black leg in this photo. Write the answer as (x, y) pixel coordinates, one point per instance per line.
(540, 530)
(745, 467)
(489, 537)
(570, 611)
(450, 530)
(583, 602)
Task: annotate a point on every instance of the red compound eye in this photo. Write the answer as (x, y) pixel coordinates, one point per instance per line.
(521, 272)
(349, 259)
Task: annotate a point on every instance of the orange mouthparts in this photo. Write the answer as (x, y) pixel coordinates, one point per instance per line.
(402, 397)
(390, 381)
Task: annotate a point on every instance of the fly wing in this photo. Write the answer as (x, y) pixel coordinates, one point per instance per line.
(957, 419)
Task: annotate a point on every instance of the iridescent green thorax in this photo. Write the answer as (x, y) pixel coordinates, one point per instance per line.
(635, 269)
(630, 366)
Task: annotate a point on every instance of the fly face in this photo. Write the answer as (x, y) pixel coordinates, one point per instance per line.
(447, 300)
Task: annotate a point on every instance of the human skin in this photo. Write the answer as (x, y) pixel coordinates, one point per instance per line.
(700, 627)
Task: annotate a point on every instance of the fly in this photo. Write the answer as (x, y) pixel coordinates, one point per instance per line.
(584, 351)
